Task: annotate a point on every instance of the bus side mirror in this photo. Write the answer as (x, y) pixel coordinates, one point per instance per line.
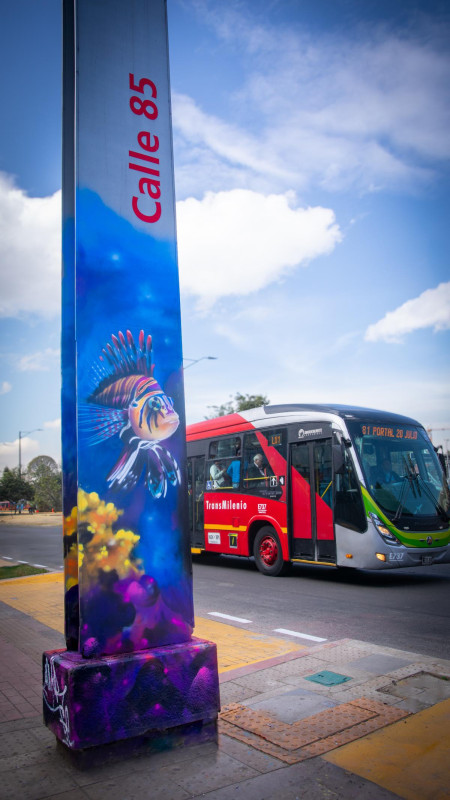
(338, 458)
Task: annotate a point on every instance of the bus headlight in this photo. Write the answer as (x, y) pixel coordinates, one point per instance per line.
(384, 532)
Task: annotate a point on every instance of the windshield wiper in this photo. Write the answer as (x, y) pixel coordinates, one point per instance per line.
(413, 480)
(406, 486)
(440, 509)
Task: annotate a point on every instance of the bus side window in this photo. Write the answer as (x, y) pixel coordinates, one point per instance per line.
(260, 475)
(224, 465)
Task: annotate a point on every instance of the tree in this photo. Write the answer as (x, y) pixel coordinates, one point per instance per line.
(46, 477)
(241, 402)
(14, 487)
(40, 463)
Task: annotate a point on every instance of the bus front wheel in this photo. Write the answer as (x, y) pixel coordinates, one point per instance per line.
(267, 552)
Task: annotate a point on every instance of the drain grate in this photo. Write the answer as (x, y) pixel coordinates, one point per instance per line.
(327, 678)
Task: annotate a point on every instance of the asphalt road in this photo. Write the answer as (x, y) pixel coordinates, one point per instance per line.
(41, 545)
(407, 609)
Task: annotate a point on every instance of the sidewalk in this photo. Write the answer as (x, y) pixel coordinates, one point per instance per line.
(346, 719)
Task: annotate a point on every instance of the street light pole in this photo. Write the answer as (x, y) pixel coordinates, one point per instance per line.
(24, 433)
(196, 360)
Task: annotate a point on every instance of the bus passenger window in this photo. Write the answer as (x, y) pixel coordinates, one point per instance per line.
(234, 472)
(258, 472)
(218, 475)
(264, 469)
(224, 465)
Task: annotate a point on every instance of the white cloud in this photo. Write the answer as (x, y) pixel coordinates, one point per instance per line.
(30, 252)
(225, 139)
(9, 452)
(430, 310)
(370, 110)
(237, 242)
(41, 361)
(5, 387)
(54, 424)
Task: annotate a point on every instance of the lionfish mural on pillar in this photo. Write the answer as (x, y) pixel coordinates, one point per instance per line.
(128, 401)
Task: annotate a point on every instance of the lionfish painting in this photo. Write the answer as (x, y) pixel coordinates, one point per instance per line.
(129, 401)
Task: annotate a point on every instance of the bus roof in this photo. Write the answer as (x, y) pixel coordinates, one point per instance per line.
(245, 420)
(347, 412)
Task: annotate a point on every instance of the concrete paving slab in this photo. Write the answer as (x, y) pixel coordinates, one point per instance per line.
(292, 706)
(412, 704)
(72, 794)
(232, 692)
(431, 681)
(202, 775)
(306, 781)
(301, 666)
(136, 787)
(380, 664)
(248, 755)
(262, 681)
(35, 782)
(346, 651)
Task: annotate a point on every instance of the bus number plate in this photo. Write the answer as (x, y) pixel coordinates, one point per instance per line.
(427, 560)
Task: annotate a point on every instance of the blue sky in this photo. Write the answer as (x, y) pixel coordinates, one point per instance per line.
(311, 155)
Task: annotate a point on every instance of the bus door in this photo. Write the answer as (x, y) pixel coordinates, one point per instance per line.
(311, 501)
(196, 486)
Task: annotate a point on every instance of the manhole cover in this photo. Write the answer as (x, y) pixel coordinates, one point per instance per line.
(328, 678)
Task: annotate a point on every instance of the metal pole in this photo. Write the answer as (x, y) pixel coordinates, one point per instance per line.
(20, 446)
(196, 360)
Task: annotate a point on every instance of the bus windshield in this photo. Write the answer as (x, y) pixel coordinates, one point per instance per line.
(402, 471)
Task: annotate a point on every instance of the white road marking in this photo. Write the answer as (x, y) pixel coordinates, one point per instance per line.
(299, 635)
(43, 566)
(6, 558)
(227, 616)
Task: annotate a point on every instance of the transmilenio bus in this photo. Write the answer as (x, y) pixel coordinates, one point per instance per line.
(316, 484)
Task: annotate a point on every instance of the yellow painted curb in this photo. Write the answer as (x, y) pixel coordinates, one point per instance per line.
(409, 758)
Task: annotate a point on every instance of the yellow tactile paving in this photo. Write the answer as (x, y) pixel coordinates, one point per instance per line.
(42, 597)
(410, 758)
(237, 647)
(39, 596)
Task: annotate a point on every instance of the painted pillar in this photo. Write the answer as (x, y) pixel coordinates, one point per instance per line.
(131, 665)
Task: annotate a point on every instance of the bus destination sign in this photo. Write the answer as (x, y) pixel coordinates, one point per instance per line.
(389, 433)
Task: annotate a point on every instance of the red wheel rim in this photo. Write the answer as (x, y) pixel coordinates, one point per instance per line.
(268, 551)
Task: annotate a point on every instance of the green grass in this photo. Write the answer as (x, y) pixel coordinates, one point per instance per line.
(20, 571)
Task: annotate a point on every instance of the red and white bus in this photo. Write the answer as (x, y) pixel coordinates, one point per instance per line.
(335, 485)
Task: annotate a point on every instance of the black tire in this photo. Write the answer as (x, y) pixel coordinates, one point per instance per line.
(267, 552)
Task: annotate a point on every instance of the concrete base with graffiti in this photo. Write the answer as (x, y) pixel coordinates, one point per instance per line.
(91, 702)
